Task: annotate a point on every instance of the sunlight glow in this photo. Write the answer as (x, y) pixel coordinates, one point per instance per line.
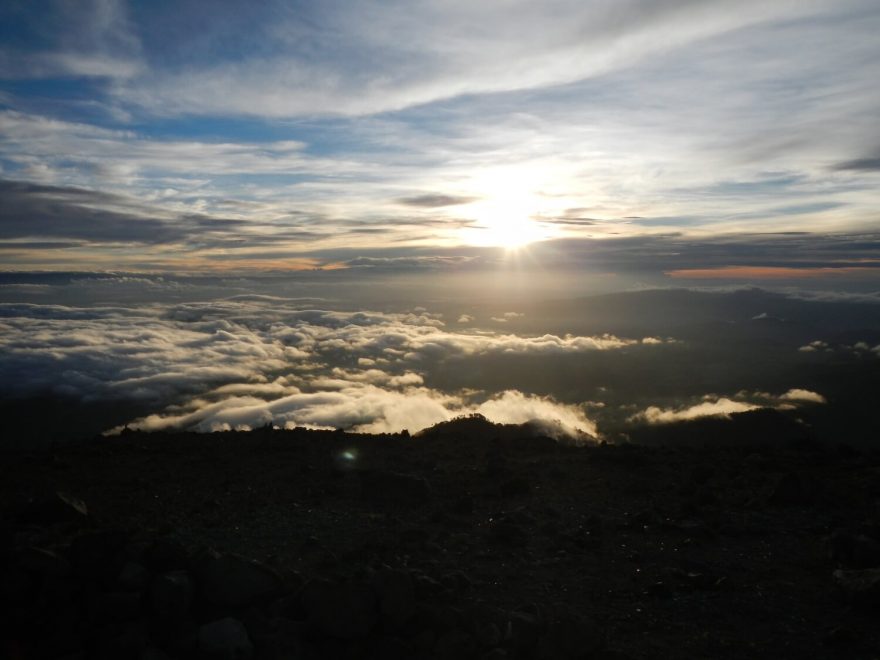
(508, 211)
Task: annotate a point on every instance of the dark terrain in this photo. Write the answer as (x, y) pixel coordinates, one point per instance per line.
(469, 541)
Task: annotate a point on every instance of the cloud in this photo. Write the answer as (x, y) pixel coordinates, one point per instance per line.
(414, 262)
(719, 406)
(251, 360)
(513, 407)
(813, 346)
(45, 211)
(803, 396)
(435, 201)
(506, 125)
(364, 58)
(768, 272)
(869, 164)
(859, 348)
(366, 408)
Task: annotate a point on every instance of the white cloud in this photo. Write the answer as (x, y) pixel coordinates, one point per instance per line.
(364, 407)
(814, 346)
(805, 396)
(245, 362)
(716, 406)
(722, 407)
(364, 58)
(513, 407)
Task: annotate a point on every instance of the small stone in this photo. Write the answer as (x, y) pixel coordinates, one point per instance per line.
(97, 553)
(569, 638)
(166, 554)
(517, 487)
(397, 597)
(788, 491)
(126, 641)
(233, 581)
(508, 533)
(454, 645)
(171, 595)
(116, 607)
(394, 488)
(340, 610)
(523, 631)
(132, 577)
(56, 508)
(464, 505)
(488, 634)
(495, 654)
(854, 550)
(457, 582)
(44, 562)
(862, 587)
(225, 639)
(839, 636)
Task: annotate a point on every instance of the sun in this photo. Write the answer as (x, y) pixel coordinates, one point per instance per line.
(505, 224)
(508, 208)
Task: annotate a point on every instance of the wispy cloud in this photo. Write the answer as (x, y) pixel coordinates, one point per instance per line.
(447, 124)
(722, 406)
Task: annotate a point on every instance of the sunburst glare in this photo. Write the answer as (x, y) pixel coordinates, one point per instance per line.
(508, 212)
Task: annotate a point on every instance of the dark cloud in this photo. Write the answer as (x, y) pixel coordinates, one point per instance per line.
(868, 164)
(44, 212)
(40, 211)
(37, 245)
(648, 255)
(435, 201)
(435, 261)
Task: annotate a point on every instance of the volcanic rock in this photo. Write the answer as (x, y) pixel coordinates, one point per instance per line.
(341, 610)
(379, 486)
(225, 639)
(862, 587)
(233, 581)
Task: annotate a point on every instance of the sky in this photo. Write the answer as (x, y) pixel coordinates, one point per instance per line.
(600, 216)
(738, 137)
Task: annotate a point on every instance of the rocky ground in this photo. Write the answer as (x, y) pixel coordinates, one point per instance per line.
(471, 541)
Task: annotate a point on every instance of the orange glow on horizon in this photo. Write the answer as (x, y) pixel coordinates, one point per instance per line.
(762, 272)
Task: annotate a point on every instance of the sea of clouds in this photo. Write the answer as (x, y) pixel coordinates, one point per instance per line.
(250, 361)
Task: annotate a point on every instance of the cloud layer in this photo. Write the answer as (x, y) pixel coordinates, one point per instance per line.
(255, 360)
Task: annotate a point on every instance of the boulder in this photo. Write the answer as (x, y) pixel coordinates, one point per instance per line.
(853, 550)
(225, 639)
(115, 607)
(862, 587)
(132, 577)
(98, 554)
(171, 595)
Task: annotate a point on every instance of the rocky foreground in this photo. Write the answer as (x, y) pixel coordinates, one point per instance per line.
(471, 541)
